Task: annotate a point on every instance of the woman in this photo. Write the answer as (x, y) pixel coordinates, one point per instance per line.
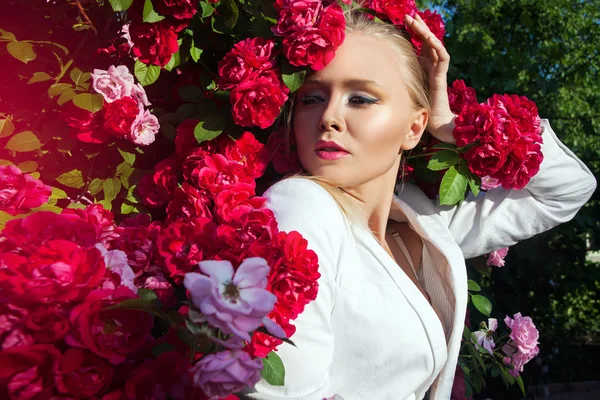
(388, 319)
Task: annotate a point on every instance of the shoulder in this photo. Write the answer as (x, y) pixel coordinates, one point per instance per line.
(303, 198)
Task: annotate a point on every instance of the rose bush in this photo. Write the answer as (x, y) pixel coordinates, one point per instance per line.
(136, 142)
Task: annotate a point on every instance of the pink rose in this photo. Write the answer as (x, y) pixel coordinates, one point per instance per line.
(144, 128)
(116, 261)
(257, 102)
(20, 192)
(484, 335)
(489, 183)
(523, 332)
(496, 258)
(236, 303)
(223, 373)
(113, 84)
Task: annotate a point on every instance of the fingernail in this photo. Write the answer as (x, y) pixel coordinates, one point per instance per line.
(409, 17)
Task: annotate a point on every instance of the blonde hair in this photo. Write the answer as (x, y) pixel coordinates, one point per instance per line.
(413, 77)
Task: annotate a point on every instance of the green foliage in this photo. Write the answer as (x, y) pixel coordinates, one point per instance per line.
(273, 370)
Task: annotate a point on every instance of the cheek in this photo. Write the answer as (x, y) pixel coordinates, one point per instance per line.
(305, 131)
(379, 134)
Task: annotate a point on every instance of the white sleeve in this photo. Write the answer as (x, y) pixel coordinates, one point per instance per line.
(501, 217)
(304, 206)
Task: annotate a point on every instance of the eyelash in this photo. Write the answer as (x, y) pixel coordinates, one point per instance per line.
(363, 100)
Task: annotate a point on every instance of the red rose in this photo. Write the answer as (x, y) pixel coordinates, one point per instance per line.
(138, 242)
(165, 377)
(48, 324)
(459, 95)
(250, 231)
(82, 374)
(101, 219)
(154, 43)
(485, 159)
(185, 243)
(28, 372)
(37, 228)
(189, 203)
(249, 153)
(119, 116)
(57, 271)
(112, 334)
(237, 201)
(185, 141)
(196, 157)
(316, 46)
(215, 173)
(245, 60)
(523, 111)
(394, 10)
(522, 163)
(283, 155)
(85, 125)
(434, 22)
(166, 174)
(474, 121)
(12, 327)
(152, 195)
(504, 130)
(20, 192)
(178, 9)
(257, 102)
(297, 15)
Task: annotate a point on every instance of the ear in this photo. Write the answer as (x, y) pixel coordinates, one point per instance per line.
(417, 128)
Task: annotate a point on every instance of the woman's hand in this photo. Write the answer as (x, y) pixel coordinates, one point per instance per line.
(435, 61)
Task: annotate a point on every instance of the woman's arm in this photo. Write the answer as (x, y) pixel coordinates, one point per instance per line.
(304, 206)
(502, 217)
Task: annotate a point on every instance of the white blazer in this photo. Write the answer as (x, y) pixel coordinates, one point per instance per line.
(370, 334)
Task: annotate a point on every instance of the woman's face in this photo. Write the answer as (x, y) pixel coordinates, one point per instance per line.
(353, 117)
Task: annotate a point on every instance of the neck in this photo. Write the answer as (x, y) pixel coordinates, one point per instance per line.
(375, 199)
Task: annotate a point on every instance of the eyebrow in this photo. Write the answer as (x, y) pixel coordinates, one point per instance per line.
(346, 83)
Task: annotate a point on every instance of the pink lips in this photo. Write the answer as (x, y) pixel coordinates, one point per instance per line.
(327, 150)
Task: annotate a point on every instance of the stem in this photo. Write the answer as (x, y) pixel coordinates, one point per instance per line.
(85, 16)
(212, 74)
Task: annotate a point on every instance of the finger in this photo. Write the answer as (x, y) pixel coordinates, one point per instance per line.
(420, 27)
(439, 48)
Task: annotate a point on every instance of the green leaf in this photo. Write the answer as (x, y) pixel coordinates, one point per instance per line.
(48, 207)
(209, 128)
(91, 102)
(443, 160)
(195, 53)
(207, 9)
(147, 294)
(39, 77)
(78, 77)
(6, 162)
(229, 10)
(7, 35)
(443, 146)
(23, 141)
(6, 127)
(474, 184)
(27, 166)
(160, 348)
(292, 77)
(73, 179)
(520, 383)
(95, 186)
(129, 157)
(173, 62)
(22, 51)
(191, 93)
(58, 194)
(146, 74)
(111, 188)
(76, 206)
(120, 5)
(58, 88)
(65, 96)
(482, 304)
(474, 286)
(452, 188)
(273, 370)
(466, 333)
(141, 305)
(149, 15)
(128, 208)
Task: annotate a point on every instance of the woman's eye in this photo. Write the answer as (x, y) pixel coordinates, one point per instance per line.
(308, 100)
(362, 101)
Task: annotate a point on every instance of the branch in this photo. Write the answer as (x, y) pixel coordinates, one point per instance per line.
(576, 118)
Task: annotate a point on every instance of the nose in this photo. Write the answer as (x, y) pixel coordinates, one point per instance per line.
(332, 118)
